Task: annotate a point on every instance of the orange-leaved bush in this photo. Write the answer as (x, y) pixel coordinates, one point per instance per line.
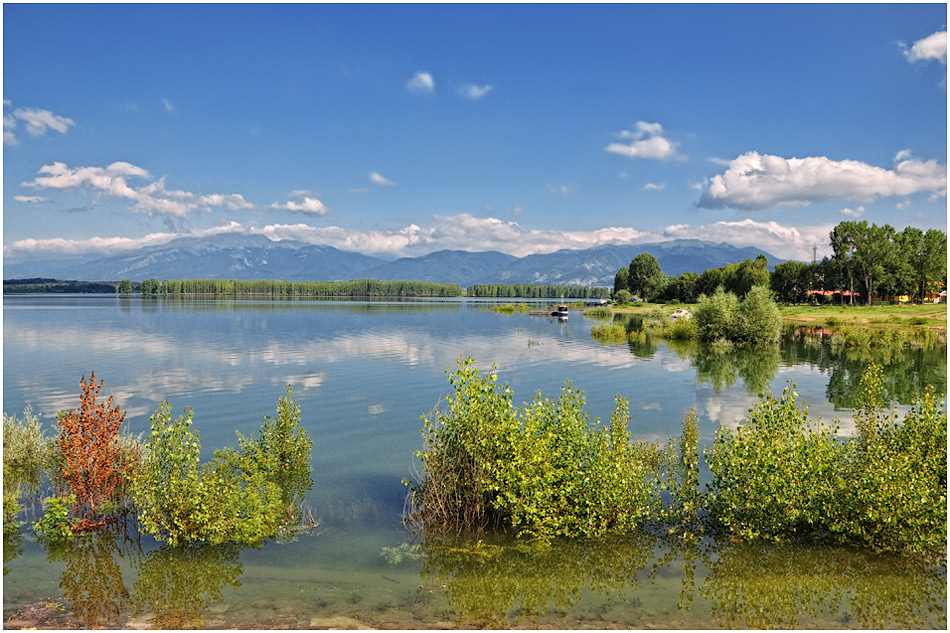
(88, 444)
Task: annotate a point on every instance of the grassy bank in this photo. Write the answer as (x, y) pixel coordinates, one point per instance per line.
(934, 316)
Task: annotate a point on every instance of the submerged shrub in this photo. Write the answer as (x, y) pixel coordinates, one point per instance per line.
(239, 496)
(89, 448)
(756, 320)
(614, 333)
(25, 451)
(541, 470)
(776, 475)
(780, 476)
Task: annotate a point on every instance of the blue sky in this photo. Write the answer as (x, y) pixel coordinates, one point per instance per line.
(404, 129)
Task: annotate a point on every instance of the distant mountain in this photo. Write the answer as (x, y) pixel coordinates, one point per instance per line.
(235, 256)
(459, 267)
(597, 266)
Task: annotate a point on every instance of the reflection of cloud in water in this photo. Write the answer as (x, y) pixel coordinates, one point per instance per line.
(650, 406)
(376, 409)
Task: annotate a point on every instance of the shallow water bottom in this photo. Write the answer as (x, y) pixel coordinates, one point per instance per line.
(346, 578)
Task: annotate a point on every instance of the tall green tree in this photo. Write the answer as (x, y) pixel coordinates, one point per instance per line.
(843, 245)
(622, 280)
(125, 287)
(150, 287)
(923, 258)
(644, 275)
(874, 252)
(790, 280)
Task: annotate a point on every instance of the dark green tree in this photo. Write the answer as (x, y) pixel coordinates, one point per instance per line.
(622, 280)
(125, 287)
(644, 275)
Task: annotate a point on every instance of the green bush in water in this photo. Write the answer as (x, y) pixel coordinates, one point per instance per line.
(239, 496)
(541, 470)
(780, 476)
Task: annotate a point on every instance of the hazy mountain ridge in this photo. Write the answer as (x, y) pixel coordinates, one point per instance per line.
(234, 256)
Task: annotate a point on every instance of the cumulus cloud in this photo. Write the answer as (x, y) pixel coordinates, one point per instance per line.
(31, 199)
(421, 83)
(857, 212)
(931, 47)
(304, 203)
(650, 186)
(787, 242)
(756, 181)
(474, 92)
(646, 141)
(377, 179)
(152, 199)
(461, 231)
(37, 123)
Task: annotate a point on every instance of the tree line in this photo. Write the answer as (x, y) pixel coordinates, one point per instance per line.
(868, 261)
(356, 288)
(538, 291)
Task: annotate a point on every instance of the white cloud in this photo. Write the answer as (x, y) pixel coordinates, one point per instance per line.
(653, 186)
(37, 122)
(421, 83)
(168, 105)
(559, 190)
(474, 92)
(784, 241)
(467, 232)
(377, 179)
(853, 213)
(31, 199)
(151, 199)
(756, 181)
(304, 204)
(931, 47)
(646, 141)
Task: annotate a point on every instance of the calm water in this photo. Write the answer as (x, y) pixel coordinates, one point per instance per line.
(364, 373)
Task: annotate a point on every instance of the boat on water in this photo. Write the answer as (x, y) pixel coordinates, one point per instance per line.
(560, 312)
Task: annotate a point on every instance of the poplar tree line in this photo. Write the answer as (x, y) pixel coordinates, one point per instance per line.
(356, 288)
(538, 291)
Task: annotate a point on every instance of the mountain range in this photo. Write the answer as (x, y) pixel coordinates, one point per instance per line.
(233, 256)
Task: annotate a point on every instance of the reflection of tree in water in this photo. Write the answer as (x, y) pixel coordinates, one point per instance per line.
(722, 367)
(908, 369)
(498, 585)
(178, 584)
(92, 581)
(12, 546)
(507, 584)
(755, 586)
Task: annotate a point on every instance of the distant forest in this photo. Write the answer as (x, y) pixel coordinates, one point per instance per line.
(41, 284)
(357, 288)
(537, 291)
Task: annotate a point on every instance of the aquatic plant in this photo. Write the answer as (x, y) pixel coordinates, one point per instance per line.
(541, 470)
(614, 333)
(781, 476)
(25, 451)
(240, 496)
(87, 443)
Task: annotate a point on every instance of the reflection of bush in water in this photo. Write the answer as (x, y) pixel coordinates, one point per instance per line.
(92, 581)
(178, 584)
(754, 586)
(908, 369)
(721, 367)
(504, 584)
(498, 583)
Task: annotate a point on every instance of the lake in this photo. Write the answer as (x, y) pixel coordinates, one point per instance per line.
(363, 373)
